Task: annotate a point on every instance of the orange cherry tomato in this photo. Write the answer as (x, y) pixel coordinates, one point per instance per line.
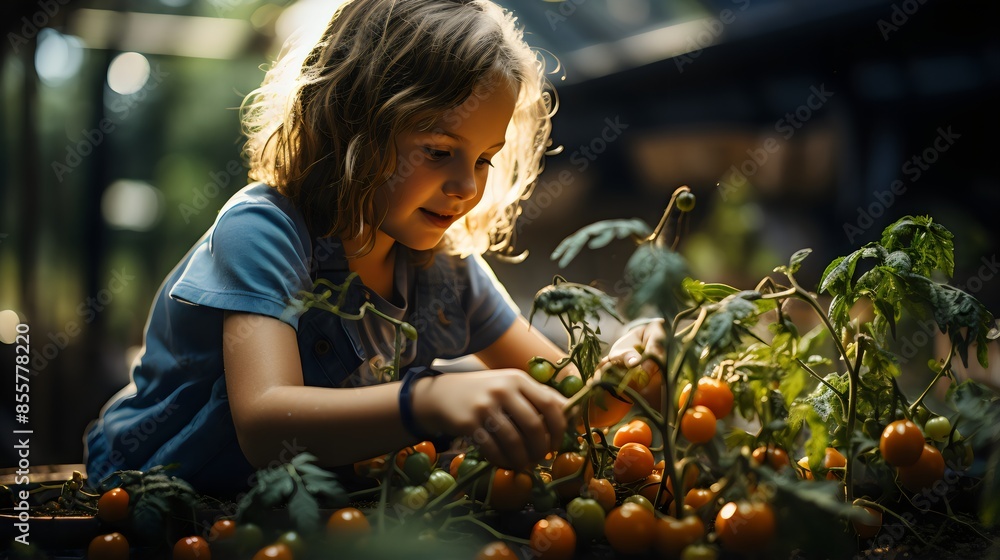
(772, 456)
(566, 464)
(455, 463)
(869, 523)
(698, 424)
(712, 393)
(803, 469)
(511, 490)
(673, 535)
(606, 410)
(348, 522)
(112, 546)
(901, 443)
(635, 431)
(697, 497)
(553, 538)
(278, 551)
(221, 530)
(630, 528)
(496, 550)
(650, 486)
(112, 506)
(425, 447)
(192, 548)
(745, 527)
(634, 462)
(834, 460)
(601, 490)
(651, 391)
(928, 469)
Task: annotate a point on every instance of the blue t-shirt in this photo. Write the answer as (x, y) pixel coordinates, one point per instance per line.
(258, 257)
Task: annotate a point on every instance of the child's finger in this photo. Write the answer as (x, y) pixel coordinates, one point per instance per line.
(550, 404)
(528, 421)
(510, 445)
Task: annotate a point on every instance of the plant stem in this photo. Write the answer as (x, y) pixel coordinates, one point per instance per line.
(944, 368)
(490, 530)
(852, 417)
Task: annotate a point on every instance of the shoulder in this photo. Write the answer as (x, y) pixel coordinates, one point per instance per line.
(260, 216)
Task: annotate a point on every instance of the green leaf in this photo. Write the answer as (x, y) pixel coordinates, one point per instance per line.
(805, 513)
(656, 277)
(574, 301)
(303, 510)
(737, 438)
(719, 330)
(795, 262)
(702, 292)
(959, 315)
(598, 235)
(929, 245)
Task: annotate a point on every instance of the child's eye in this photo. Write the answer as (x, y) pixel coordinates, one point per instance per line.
(483, 162)
(435, 155)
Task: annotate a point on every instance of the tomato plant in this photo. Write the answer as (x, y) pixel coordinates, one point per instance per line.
(635, 431)
(928, 469)
(630, 528)
(901, 443)
(698, 424)
(938, 428)
(774, 457)
(634, 462)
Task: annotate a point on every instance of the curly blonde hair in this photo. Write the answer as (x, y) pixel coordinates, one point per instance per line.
(321, 127)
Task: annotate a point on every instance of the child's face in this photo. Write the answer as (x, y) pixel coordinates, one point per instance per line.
(441, 173)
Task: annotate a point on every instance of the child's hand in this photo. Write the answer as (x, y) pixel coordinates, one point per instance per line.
(628, 350)
(513, 419)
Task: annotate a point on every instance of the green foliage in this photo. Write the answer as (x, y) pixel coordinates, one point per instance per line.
(928, 245)
(808, 510)
(598, 235)
(795, 262)
(575, 302)
(301, 486)
(702, 292)
(655, 276)
(156, 498)
(721, 328)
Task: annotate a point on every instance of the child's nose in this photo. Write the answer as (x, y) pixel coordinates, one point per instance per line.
(462, 185)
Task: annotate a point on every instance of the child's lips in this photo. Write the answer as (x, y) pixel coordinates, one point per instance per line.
(440, 220)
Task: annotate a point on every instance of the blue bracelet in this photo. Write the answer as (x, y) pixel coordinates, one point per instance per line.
(406, 401)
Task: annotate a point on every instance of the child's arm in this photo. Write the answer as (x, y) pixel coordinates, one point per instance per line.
(513, 419)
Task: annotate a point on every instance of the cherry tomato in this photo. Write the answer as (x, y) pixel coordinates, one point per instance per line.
(190, 548)
(570, 385)
(803, 468)
(630, 528)
(650, 487)
(832, 460)
(901, 443)
(541, 369)
(566, 464)
(606, 410)
(699, 552)
(439, 482)
(455, 463)
(553, 538)
(867, 525)
(112, 507)
(587, 518)
(685, 201)
(412, 497)
(112, 546)
(222, 529)
(938, 428)
(635, 431)
(697, 497)
(928, 469)
(274, 552)
(711, 392)
(698, 424)
(417, 468)
(634, 462)
(496, 550)
(745, 527)
(511, 490)
(600, 489)
(772, 456)
(425, 447)
(674, 535)
(348, 522)
(294, 541)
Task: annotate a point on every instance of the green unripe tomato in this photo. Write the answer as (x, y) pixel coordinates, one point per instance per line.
(417, 468)
(541, 370)
(570, 385)
(641, 500)
(699, 552)
(938, 428)
(543, 499)
(685, 201)
(439, 482)
(412, 497)
(293, 541)
(587, 517)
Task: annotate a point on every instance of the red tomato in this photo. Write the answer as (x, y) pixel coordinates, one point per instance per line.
(712, 393)
(901, 443)
(496, 550)
(928, 469)
(673, 535)
(745, 527)
(112, 546)
(511, 491)
(633, 462)
(112, 507)
(630, 528)
(698, 424)
(635, 431)
(869, 524)
(566, 464)
(601, 490)
(348, 522)
(192, 548)
(553, 538)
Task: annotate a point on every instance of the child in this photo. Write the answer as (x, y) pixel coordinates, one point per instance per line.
(404, 139)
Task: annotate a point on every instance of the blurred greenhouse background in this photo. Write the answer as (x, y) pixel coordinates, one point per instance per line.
(797, 123)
